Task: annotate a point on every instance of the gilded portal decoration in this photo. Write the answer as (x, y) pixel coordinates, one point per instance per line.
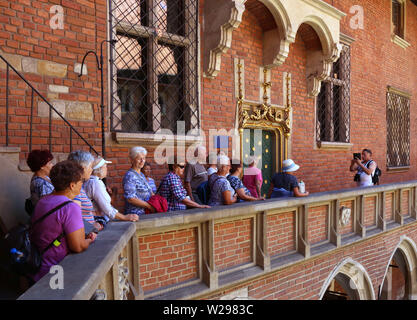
(264, 128)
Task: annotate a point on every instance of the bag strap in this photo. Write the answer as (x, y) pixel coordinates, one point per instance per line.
(59, 238)
(51, 211)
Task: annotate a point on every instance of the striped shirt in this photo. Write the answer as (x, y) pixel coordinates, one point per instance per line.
(87, 209)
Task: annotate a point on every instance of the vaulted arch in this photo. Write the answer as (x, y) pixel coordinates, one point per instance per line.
(354, 279)
(405, 255)
(289, 15)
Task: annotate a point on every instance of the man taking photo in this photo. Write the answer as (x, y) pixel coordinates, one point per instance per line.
(365, 168)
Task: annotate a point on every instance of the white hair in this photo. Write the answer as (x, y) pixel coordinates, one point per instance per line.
(222, 160)
(135, 151)
(83, 158)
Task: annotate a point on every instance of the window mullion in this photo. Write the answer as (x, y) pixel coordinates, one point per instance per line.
(154, 117)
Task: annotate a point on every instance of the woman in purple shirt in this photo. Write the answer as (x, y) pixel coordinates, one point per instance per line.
(67, 180)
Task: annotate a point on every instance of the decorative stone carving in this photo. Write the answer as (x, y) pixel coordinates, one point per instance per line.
(345, 216)
(123, 279)
(220, 18)
(289, 15)
(99, 294)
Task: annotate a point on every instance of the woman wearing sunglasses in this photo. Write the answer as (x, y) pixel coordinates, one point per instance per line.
(172, 189)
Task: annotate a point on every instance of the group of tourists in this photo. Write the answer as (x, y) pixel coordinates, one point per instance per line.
(74, 191)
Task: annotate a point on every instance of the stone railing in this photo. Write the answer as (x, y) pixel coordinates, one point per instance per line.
(192, 254)
(108, 269)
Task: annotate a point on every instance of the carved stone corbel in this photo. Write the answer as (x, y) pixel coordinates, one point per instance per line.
(221, 18)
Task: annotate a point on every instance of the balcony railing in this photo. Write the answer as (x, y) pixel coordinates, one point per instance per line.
(192, 254)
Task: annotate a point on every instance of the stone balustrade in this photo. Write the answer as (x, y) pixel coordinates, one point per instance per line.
(199, 254)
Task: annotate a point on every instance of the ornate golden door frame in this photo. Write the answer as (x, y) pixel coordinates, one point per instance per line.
(267, 117)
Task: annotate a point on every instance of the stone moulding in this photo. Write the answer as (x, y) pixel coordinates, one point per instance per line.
(226, 16)
(289, 15)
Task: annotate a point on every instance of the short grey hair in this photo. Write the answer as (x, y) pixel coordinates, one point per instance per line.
(83, 158)
(222, 160)
(133, 153)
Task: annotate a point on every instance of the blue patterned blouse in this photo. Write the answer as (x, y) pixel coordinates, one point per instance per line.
(135, 186)
(237, 184)
(218, 184)
(39, 187)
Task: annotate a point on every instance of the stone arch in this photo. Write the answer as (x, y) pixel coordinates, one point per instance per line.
(354, 277)
(288, 16)
(408, 250)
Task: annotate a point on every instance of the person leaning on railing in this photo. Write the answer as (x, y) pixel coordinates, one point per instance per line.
(96, 191)
(40, 163)
(172, 189)
(221, 192)
(237, 184)
(67, 179)
(137, 191)
(85, 160)
(284, 184)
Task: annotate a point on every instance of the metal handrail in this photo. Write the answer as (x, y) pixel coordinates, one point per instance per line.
(51, 107)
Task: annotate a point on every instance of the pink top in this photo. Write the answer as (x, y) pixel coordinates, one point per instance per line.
(250, 176)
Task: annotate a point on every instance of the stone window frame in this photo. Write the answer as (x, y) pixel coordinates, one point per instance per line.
(405, 96)
(147, 138)
(399, 38)
(345, 40)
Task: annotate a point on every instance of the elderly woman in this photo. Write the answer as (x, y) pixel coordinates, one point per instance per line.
(252, 177)
(40, 163)
(221, 192)
(136, 189)
(62, 231)
(171, 188)
(96, 191)
(237, 184)
(147, 173)
(85, 160)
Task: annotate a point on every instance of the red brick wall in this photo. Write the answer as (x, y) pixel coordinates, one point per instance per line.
(167, 258)
(305, 280)
(281, 233)
(232, 243)
(404, 202)
(389, 211)
(370, 211)
(318, 220)
(25, 31)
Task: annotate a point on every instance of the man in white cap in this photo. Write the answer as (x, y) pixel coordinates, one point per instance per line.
(284, 184)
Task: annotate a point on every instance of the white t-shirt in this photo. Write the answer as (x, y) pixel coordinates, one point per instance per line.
(365, 179)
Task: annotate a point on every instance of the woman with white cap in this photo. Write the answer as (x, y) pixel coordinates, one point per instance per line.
(96, 191)
(284, 184)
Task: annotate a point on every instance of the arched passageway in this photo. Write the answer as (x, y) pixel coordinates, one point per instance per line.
(348, 281)
(400, 280)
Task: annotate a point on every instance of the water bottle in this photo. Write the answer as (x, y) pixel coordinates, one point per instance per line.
(18, 255)
(302, 186)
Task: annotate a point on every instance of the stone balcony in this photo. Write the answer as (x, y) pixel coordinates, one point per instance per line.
(207, 254)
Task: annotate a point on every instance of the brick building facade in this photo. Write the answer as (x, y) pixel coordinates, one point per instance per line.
(235, 54)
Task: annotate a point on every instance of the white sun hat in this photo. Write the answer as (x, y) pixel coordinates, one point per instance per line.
(101, 163)
(289, 166)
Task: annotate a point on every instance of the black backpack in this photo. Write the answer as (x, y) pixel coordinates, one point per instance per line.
(24, 257)
(377, 174)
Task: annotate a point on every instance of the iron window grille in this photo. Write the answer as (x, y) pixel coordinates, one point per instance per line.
(333, 102)
(398, 18)
(154, 69)
(398, 130)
